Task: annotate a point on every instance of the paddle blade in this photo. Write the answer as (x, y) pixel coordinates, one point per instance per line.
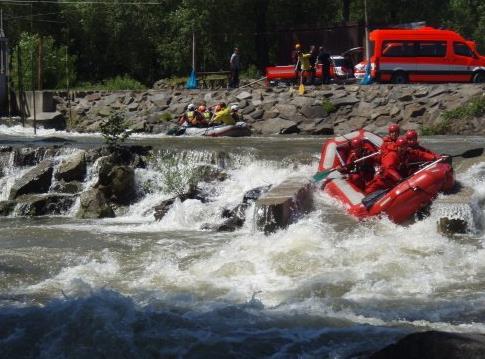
(301, 89)
(369, 200)
(472, 153)
(321, 175)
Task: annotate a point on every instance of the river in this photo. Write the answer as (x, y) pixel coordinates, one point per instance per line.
(133, 287)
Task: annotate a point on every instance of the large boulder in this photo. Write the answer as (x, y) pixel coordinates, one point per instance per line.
(119, 185)
(44, 204)
(435, 345)
(7, 207)
(72, 168)
(276, 126)
(37, 180)
(93, 204)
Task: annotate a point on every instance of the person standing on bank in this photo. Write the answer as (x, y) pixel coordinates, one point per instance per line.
(324, 59)
(235, 67)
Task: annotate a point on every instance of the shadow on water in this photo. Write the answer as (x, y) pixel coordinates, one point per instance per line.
(107, 324)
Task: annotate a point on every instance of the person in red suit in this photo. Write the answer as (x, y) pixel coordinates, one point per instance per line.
(362, 172)
(417, 154)
(389, 140)
(392, 165)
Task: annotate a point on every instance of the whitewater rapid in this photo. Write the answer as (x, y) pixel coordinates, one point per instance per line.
(132, 286)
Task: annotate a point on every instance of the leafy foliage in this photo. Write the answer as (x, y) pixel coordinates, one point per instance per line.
(57, 65)
(114, 131)
(149, 42)
(473, 108)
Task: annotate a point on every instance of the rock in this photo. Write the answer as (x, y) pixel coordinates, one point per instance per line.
(207, 173)
(276, 126)
(73, 168)
(94, 205)
(269, 105)
(439, 90)
(244, 95)
(237, 216)
(435, 345)
(270, 114)
(67, 187)
(344, 101)
(413, 110)
(104, 111)
(302, 101)
(248, 109)
(27, 156)
(285, 111)
(132, 106)
(258, 114)
(7, 207)
(284, 204)
(193, 193)
(37, 180)
(314, 111)
(121, 188)
(421, 92)
(160, 99)
(44, 204)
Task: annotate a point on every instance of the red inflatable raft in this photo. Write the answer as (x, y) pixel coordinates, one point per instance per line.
(400, 202)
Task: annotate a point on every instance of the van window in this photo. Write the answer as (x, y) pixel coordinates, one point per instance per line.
(462, 49)
(431, 48)
(398, 48)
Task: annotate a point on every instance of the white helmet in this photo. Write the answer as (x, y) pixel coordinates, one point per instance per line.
(234, 107)
(191, 107)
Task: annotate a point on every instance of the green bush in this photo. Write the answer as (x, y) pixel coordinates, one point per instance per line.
(166, 117)
(114, 131)
(57, 65)
(118, 83)
(474, 108)
(251, 72)
(328, 106)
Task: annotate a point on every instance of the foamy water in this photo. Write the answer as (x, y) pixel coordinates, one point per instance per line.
(324, 287)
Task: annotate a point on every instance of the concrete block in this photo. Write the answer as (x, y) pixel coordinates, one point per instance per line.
(457, 213)
(284, 204)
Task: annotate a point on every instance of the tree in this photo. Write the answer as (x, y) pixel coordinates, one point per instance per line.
(54, 62)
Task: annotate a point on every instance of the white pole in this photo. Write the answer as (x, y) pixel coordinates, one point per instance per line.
(193, 50)
(367, 51)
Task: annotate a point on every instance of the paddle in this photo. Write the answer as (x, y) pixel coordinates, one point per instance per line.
(301, 89)
(324, 174)
(372, 198)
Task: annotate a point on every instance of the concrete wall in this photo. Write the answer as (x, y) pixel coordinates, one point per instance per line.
(44, 102)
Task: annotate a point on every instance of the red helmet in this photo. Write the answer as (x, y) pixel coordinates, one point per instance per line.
(401, 142)
(356, 143)
(393, 127)
(411, 135)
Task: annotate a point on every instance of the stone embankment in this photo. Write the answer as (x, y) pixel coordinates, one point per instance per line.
(281, 110)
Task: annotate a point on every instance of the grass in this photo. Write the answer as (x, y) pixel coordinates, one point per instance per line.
(328, 106)
(473, 108)
(117, 83)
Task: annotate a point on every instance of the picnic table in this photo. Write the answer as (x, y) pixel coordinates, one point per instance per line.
(213, 79)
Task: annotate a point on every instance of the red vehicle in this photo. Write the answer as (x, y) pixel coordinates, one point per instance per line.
(399, 203)
(338, 71)
(422, 55)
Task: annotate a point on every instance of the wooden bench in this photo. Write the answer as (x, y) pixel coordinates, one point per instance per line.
(213, 79)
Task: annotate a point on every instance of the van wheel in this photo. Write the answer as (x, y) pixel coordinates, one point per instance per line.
(479, 78)
(399, 78)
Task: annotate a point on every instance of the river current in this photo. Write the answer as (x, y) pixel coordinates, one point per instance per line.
(131, 286)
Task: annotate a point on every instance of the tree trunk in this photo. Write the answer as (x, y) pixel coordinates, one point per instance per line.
(346, 10)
